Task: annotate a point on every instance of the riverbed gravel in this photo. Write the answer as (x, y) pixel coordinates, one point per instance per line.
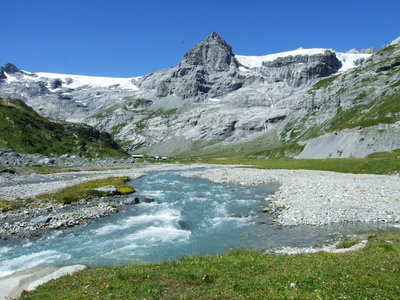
(319, 197)
(35, 217)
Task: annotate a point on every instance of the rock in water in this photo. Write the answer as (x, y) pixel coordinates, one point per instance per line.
(148, 199)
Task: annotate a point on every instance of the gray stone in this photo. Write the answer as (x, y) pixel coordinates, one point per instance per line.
(42, 219)
(55, 83)
(110, 190)
(131, 201)
(148, 199)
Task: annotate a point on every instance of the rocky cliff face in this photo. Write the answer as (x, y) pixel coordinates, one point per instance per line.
(301, 70)
(208, 70)
(214, 100)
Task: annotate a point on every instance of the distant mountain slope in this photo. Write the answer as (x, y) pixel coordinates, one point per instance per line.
(312, 103)
(25, 131)
(352, 114)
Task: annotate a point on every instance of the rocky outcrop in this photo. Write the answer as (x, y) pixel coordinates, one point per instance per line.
(300, 70)
(11, 70)
(208, 70)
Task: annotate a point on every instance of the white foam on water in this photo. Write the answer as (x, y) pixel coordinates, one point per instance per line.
(243, 202)
(228, 221)
(197, 199)
(31, 260)
(153, 193)
(140, 243)
(220, 209)
(153, 235)
(165, 216)
(28, 244)
(4, 250)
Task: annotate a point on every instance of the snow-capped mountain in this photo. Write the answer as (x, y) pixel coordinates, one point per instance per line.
(212, 100)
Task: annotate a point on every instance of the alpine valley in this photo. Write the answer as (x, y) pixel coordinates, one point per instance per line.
(306, 103)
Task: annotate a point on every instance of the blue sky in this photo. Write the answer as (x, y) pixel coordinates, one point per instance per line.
(126, 38)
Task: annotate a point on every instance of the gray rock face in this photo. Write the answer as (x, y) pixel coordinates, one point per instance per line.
(300, 70)
(11, 69)
(208, 70)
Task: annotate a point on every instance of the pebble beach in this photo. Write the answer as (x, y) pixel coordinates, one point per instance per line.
(319, 197)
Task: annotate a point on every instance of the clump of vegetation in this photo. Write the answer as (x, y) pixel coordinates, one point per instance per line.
(286, 151)
(348, 242)
(324, 83)
(6, 205)
(87, 189)
(141, 103)
(371, 273)
(395, 154)
(381, 111)
(151, 114)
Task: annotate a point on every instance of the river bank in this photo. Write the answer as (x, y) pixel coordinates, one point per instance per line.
(320, 197)
(37, 217)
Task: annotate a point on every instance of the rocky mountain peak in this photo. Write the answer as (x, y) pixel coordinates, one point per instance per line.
(11, 69)
(214, 54)
(208, 70)
(216, 38)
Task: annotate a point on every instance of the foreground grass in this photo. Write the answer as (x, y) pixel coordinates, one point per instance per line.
(87, 189)
(374, 165)
(372, 273)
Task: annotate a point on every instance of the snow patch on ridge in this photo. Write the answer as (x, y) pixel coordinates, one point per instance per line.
(81, 80)
(348, 60)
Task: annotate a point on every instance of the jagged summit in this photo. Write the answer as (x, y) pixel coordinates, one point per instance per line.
(214, 53)
(208, 70)
(216, 38)
(9, 69)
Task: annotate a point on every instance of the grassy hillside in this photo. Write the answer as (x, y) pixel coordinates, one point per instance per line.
(25, 131)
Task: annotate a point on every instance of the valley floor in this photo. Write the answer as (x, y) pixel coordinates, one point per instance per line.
(304, 198)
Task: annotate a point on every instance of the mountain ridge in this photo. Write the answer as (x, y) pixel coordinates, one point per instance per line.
(214, 98)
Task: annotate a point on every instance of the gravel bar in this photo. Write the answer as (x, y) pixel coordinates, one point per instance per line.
(319, 197)
(37, 217)
(31, 185)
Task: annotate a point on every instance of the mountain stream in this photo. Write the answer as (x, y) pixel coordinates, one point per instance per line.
(189, 216)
